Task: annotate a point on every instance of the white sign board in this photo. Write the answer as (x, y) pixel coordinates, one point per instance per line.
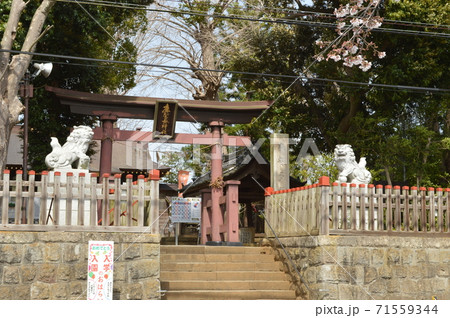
(186, 210)
(100, 270)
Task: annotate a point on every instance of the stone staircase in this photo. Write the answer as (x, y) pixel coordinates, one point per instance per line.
(222, 272)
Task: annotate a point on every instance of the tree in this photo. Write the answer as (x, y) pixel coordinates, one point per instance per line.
(94, 31)
(195, 35)
(381, 124)
(13, 69)
(79, 33)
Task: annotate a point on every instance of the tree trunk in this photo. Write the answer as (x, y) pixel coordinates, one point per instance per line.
(388, 175)
(355, 106)
(210, 80)
(5, 132)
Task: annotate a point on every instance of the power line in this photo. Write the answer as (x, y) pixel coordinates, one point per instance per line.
(328, 84)
(401, 87)
(385, 21)
(260, 20)
(272, 9)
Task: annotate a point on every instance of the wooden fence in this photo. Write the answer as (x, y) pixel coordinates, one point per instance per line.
(344, 209)
(79, 203)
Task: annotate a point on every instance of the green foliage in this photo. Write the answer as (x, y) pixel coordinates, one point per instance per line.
(185, 159)
(311, 168)
(402, 133)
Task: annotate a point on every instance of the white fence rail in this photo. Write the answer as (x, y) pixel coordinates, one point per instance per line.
(79, 203)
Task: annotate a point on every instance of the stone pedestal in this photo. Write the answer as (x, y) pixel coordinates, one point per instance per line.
(279, 161)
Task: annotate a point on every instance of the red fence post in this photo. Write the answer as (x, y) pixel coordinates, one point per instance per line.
(154, 201)
(324, 207)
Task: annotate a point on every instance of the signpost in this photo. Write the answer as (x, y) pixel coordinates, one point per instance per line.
(185, 210)
(100, 270)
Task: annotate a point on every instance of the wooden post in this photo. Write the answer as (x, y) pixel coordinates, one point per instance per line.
(397, 215)
(353, 205)
(388, 189)
(129, 208)
(105, 204)
(31, 195)
(406, 214)
(324, 214)
(69, 196)
(56, 197)
(380, 207)
(117, 194)
(141, 202)
(268, 210)
(432, 209)
(440, 225)
(344, 206)
(423, 211)
(93, 199)
(44, 197)
(371, 195)
(154, 202)
(362, 207)
(5, 198)
(447, 211)
(81, 197)
(415, 212)
(232, 210)
(18, 195)
(284, 210)
(335, 212)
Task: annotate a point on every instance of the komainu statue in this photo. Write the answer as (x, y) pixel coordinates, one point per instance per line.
(349, 170)
(73, 151)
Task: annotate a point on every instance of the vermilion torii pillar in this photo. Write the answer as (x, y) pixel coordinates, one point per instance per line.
(216, 180)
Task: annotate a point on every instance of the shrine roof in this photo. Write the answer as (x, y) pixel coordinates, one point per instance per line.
(143, 107)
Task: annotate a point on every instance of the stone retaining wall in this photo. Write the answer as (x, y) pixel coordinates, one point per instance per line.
(372, 267)
(53, 265)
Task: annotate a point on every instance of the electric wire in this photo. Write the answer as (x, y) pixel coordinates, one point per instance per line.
(347, 86)
(404, 87)
(263, 9)
(265, 20)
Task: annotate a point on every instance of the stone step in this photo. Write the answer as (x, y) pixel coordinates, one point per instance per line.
(222, 272)
(222, 266)
(223, 275)
(201, 249)
(215, 258)
(227, 295)
(224, 285)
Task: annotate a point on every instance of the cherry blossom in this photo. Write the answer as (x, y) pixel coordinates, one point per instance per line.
(355, 20)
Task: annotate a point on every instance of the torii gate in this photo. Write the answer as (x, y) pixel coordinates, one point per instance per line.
(216, 114)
